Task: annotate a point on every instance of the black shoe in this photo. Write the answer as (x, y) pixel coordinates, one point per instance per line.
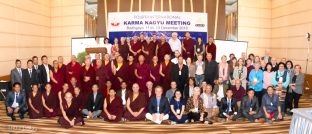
(210, 122)
(13, 118)
(21, 117)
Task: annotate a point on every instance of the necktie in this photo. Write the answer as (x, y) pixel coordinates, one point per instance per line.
(229, 106)
(20, 72)
(30, 73)
(16, 96)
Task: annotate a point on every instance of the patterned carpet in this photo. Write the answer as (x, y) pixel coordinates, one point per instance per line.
(99, 126)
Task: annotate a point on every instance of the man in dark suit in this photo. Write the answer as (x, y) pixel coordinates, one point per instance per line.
(123, 93)
(250, 106)
(16, 73)
(29, 77)
(15, 102)
(44, 68)
(211, 70)
(94, 105)
(158, 108)
(228, 107)
(180, 73)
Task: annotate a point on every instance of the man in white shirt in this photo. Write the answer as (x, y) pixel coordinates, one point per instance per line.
(210, 104)
(44, 76)
(176, 56)
(220, 89)
(175, 43)
(16, 102)
(123, 94)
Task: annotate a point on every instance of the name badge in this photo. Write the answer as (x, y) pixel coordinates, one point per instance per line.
(93, 107)
(178, 111)
(271, 104)
(157, 109)
(196, 110)
(198, 50)
(255, 79)
(180, 72)
(250, 109)
(280, 79)
(17, 104)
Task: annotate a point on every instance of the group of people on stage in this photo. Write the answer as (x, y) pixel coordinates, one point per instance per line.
(156, 80)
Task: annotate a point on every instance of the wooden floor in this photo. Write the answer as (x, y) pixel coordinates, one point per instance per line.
(99, 126)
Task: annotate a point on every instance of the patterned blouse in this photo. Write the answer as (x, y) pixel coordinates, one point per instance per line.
(190, 105)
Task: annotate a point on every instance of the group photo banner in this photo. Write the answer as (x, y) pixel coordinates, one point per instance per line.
(128, 24)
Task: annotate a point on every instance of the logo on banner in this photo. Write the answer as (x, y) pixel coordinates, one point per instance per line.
(200, 23)
(114, 22)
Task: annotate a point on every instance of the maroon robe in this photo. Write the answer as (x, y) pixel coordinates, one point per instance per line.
(150, 48)
(122, 73)
(36, 101)
(189, 45)
(71, 112)
(165, 81)
(136, 47)
(114, 108)
(79, 101)
(87, 86)
(108, 67)
(131, 75)
(105, 92)
(155, 73)
(143, 70)
(136, 105)
(101, 73)
(162, 50)
(124, 51)
(59, 77)
(211, 49)
(52, 102)
(62, 67)
(75, 68)
(71, 87)
(94, 63)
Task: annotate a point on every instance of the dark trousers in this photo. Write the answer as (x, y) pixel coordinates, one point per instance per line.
(21, 112)
(296, 98)
(259, 96)
(288, 101)
(252, 118)
(195, 116)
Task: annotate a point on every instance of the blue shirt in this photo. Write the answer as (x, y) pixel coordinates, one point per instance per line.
(280, 74)
(256, 75)
(270, 103)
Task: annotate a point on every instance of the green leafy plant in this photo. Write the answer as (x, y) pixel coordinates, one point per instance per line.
(81, 57)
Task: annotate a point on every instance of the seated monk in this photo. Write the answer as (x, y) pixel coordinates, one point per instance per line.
(112, 109)
(35, 103)
(78, 98)
(70, 117)
(50, 102)
(158, 108)
(61, 94)
(136, 103)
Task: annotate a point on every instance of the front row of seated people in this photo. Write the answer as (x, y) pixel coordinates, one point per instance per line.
(138, 106)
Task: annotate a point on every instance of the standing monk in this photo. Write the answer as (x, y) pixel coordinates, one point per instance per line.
(155, 66)
(109, 67)
(123, 48)
(57, 78)
(148, 50)
(131, 68)
(211, 48)
(101, 75)
(87, 77)
(165, 73)
(162, 49)
(73, 69)
(188, 47)
(120, 72)
(142, 73)
(135, 48)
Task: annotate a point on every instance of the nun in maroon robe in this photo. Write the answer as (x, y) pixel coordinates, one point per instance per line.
(136, 104)
(148, 50)
(123, 48)
(155, 66)
(113, 108)
(87, 77)
(73, 70)
(131, 69)
(162, 49)
(165, 73)
(188, 45)
(70, 117)
(50, 103)
(135, 48)
(108, 86)
(109, 68)
(57, 77)
(78, 98)
(120, 69)
(142, 73)
(35, 103)
(211, 48)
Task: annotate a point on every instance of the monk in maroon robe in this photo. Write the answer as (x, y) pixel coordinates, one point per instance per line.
(109, 68)
(113, 108)
(165, 73)
(120, 71)
(57, 77)
(50, 103)
(135, 48)
(148, 50)
(108, 87)
(87, 77)
(35, 103)
(72, 85)
(131, 69)
(142, 73)
(155, 66)
(97, 57)
(78, 98)
(73, 69)
(61, 94)
(162, 49)
(150, 92)
(62, 66)
(136, 104)
(101, 75)
(123, 48)
(70, 117)
(211, 48)
(188, 45)
(155, 40)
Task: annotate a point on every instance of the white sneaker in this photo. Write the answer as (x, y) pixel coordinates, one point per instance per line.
(173, 123)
